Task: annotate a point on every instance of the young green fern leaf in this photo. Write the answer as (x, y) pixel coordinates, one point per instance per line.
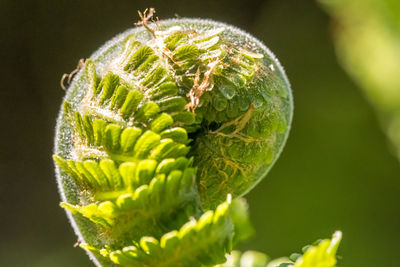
(321, 254)
(160, 134)
(196, 243)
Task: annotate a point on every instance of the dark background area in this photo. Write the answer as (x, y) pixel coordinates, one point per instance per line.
(336, 171)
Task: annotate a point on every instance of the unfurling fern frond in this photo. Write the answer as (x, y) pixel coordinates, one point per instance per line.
(160, 135)
(198, 242)
(320, 254)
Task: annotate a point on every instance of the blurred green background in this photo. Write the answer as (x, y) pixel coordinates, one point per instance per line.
(336, 172)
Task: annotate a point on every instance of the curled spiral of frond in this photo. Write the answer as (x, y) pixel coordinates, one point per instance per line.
(159, 136)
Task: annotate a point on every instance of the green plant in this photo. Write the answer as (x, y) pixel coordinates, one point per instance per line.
(161, 133)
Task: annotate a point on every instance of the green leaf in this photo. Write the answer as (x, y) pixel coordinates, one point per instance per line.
(138, 58)
(78, 125)
(145, 143)
(159, 152)
(128, 173)
(108, 86)
(111, 139)
(186, 52)
(99, 127)
(145, 170)
(111, 171)
(131, 103)
(185, 117)
(147, 111)
(155, 77)
(148, 207)
(177, 134)
(94, 169)
(175, 39)
(88, 129)
(164, 90)
(162, 122)
(119, 97)
(90, 73)
(128, 138)
(207, 44)
(172, 104)
(322, 255)
(196, 243)
(166, 166)
(147, 65)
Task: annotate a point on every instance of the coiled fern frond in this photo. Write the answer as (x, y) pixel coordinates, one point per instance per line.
(161, 133)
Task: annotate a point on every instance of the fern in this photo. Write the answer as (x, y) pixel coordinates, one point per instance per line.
(159, 137)
(321, 254)
(204, 241)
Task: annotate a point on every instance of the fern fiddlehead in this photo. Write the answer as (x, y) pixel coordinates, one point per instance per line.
(161, 133)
